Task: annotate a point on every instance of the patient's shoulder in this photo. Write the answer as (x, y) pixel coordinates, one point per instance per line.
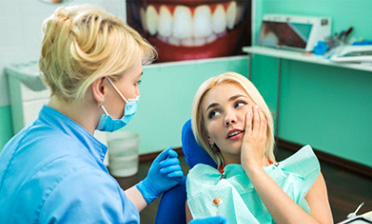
(303, 163)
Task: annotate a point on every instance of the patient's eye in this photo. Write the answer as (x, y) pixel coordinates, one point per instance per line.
(240, 103)
(213, 113)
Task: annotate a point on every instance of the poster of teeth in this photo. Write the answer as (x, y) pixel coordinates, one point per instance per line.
(192, 29)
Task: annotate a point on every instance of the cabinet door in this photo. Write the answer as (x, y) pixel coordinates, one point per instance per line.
(31, 109)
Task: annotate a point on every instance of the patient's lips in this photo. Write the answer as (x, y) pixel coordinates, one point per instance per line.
(234, 134)
(183, 30)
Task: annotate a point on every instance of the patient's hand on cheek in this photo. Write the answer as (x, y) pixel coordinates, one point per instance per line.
(254, 140)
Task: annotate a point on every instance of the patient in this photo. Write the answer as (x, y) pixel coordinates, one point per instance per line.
(232, 122)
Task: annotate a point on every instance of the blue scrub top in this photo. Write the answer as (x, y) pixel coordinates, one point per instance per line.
(53, 172)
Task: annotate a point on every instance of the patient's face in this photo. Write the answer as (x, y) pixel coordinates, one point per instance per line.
(224, 108)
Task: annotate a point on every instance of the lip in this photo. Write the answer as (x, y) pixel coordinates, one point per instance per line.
(235, 137)
(222, 44)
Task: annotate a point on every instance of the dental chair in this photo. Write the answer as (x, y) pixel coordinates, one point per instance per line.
(171, 208)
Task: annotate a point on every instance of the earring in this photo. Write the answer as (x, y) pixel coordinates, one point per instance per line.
(214, 148)
(100, 104)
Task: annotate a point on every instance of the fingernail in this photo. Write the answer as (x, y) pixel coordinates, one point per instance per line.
(249, 114)
(256, 107)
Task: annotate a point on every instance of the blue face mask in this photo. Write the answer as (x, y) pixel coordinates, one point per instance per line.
(106, 123)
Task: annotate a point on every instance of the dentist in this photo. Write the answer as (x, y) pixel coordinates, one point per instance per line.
(52, 171)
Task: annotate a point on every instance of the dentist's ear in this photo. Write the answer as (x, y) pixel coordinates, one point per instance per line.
(98, 88)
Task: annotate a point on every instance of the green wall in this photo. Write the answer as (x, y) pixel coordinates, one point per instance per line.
(6, 129)
(327, 107)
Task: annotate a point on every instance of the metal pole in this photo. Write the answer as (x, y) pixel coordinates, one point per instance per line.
(278, 97)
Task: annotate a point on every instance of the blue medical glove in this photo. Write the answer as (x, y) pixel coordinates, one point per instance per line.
(211, 220)
(165, 173)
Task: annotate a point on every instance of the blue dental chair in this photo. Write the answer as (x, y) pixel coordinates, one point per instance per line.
(172, 204)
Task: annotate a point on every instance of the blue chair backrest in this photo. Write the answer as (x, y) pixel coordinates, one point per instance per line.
(193, 152)
(171, 208)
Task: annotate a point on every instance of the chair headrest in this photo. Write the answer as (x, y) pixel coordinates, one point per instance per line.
(193, 152)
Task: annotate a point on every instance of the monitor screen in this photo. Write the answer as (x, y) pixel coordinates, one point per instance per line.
(284, 34)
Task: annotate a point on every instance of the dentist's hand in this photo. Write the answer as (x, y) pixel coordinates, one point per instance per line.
(165, 173)
(211, 220)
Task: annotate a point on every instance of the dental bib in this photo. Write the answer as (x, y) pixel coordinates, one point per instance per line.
(233, 195)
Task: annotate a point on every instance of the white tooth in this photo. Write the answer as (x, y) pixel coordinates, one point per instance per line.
(219, 35)
(188, 42)
(182, 22)
(199, 41)
(211, 38)
(165, 22)
(151, 19)
(219, 19)
(234, 133)
(174, 41)
(202, 21)
(231, 15)
(143, 18)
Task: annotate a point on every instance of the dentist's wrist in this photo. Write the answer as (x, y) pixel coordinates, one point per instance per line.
(148, 193)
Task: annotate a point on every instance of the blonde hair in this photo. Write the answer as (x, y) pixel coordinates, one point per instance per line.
(84, 43)
(197, 119)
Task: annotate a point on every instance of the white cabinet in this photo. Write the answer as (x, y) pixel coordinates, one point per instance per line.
(27, 93)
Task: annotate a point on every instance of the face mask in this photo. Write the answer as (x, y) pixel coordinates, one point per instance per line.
(106, 123)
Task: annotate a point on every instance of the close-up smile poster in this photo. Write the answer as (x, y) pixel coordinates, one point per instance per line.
(192, 29)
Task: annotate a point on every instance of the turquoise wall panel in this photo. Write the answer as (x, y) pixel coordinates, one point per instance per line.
(265, 78)
(329, 108)
(6, 130)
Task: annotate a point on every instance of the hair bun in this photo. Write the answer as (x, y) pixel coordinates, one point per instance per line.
(62, 14)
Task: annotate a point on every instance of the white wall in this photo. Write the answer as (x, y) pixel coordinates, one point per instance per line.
(21, 35)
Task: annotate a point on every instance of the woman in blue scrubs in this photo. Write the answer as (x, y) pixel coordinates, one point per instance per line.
(52, 171)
